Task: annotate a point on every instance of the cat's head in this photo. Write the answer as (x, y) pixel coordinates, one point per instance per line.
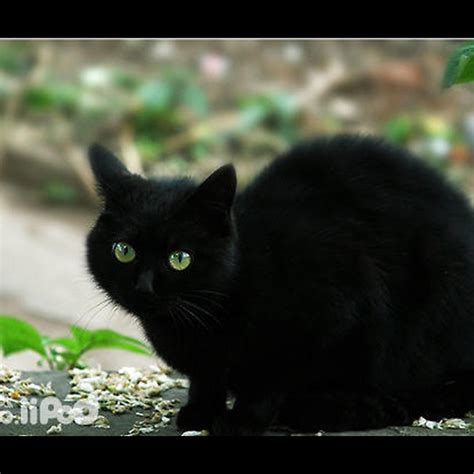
(162, 248)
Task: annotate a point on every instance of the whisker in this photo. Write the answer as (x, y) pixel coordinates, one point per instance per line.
(186, 318)
(94, 306)
(194, 315)
(87, 312)
(175, 320)
(211, 292)
(94, 315)
(111, 315)
(199, 308)
(207, 300)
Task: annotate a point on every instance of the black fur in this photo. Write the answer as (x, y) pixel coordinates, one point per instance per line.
(335, 292)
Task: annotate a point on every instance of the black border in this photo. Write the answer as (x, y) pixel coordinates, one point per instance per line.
(294, 454)
(318, 454)
(328, 20)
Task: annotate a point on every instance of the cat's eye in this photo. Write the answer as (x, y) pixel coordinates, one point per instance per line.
(123, 252)
(179, 260)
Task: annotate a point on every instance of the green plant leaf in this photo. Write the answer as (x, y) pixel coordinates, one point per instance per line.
(17, 336)
(460, 66)
(83, 337)
(108, 339)
(66, 342)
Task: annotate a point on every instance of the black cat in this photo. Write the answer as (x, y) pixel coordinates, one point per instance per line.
(335, 292)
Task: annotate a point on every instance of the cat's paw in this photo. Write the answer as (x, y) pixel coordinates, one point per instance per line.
(231, 424)
(194, 417)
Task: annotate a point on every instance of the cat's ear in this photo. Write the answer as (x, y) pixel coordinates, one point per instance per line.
(107, 168)
(218, 190)
(211, 202)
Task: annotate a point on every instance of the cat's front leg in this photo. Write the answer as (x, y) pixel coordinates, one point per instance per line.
(206, 400)
(251, 416)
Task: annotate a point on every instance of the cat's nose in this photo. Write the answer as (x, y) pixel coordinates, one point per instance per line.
(145, 282)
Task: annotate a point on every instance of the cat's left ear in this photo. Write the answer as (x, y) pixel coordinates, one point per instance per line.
(107, 168)
(218, 190)
(211, 202)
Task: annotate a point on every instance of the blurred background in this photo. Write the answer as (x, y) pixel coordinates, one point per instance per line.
(186, 107)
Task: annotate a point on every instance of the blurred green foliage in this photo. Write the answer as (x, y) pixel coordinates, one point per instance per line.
(164, 107)
(275, 111)
(404, 128)
(15, 58)
(439, 142)
(60, 193)
(168, 115)
(50, 96)
(153, 109)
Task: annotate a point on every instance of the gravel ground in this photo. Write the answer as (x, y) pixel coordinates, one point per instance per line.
(120, 424)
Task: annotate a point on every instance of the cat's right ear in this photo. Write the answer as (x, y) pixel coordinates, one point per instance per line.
(107, 168)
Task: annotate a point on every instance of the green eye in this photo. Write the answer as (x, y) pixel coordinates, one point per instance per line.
(179, 260)
(123, 252)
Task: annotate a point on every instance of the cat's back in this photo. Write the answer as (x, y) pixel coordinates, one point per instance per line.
(349, 176)
(342, 208)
